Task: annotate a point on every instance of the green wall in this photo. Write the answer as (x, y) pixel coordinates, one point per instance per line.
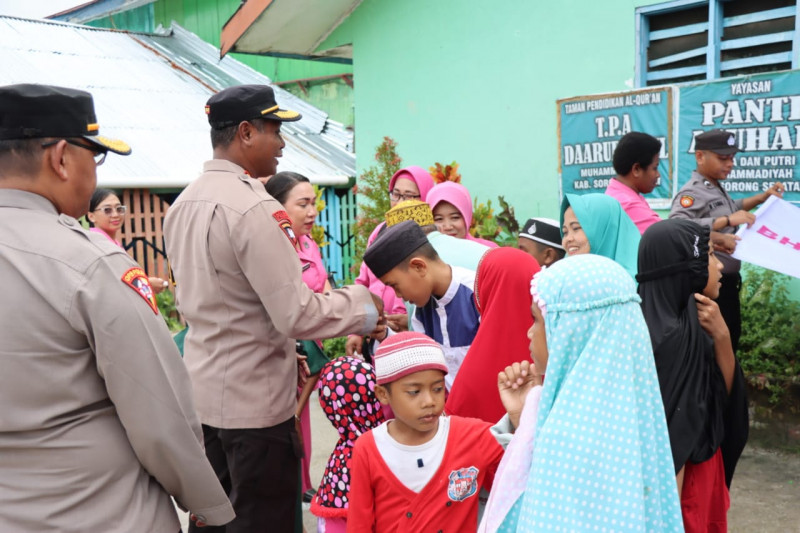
(477, 82)
(206, 18)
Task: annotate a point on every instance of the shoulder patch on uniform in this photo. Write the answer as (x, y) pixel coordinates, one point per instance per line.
(136, 279)
(687, 201)
(462, 484)
(286, 225)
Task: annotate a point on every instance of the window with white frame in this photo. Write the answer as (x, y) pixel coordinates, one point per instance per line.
(689, 40)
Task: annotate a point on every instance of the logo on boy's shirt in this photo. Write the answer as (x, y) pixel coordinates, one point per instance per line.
(463, 484)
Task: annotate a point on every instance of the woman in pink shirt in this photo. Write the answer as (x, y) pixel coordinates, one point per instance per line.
(296, 194)
(409, 183)
(106, 215)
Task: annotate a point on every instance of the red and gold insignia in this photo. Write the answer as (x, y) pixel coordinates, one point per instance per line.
(687, 201)
(136, 279)
(286, 225)
(208, 110)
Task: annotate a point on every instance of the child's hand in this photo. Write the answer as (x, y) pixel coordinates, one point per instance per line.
(514, 383)
(302, 370)
(710, 317)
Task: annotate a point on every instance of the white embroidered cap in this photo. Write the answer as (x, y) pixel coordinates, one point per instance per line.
(405, 353)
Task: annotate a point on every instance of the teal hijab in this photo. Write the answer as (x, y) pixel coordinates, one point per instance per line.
(610, 231)
(601, 455)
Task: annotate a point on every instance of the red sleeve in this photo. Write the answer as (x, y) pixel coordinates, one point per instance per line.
(361, 510)
(482, 441)
(494, 453)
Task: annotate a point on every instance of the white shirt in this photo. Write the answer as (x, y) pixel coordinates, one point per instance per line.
(414, 466)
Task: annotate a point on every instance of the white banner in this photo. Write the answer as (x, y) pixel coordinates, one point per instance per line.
(773, 241)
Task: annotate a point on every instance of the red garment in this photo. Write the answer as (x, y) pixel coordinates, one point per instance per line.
(380, 503)
(704, 498)
(503, 297)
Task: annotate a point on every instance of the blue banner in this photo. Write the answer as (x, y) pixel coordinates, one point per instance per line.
(591, 126)
(764, 113)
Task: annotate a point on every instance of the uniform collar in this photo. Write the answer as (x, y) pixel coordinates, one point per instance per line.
(26, 200)
(702, 180)
(223, 165)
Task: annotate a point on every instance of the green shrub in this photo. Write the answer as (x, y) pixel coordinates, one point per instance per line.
(334, 347)
(372, 191)
(166, 304)
(770, 341)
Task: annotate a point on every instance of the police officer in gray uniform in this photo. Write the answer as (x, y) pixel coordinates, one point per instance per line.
(704, 201)
(97, 428)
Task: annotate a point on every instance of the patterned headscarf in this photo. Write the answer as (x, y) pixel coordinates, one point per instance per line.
(601, 456)
(347, 395)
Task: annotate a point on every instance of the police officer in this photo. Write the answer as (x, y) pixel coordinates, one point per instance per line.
(240, 288)
(97, 428)
(704, 201)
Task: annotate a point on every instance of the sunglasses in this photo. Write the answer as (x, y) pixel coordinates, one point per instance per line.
(108, 210)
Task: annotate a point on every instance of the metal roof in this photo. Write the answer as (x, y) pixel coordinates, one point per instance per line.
(150, 90)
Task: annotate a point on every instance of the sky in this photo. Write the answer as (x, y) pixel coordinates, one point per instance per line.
(36, 8)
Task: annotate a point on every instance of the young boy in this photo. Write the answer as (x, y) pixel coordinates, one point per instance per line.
(541, 239)
(403, 259)
(421, 471)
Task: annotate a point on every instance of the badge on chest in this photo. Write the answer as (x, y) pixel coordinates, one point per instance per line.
(462, 484)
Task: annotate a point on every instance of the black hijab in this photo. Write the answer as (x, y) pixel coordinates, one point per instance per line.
(673, 265)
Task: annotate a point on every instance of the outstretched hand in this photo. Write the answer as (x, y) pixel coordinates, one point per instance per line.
(352, 346)
(724, 242)
(741, 217)
(514, 383)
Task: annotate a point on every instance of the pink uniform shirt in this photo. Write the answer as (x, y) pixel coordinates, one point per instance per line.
(314, 274)
(392, 305)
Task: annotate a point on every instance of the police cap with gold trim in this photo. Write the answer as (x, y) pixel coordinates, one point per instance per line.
(236, 104)
(32, 111)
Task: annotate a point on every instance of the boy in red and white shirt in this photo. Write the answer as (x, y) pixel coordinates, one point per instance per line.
(421, 471)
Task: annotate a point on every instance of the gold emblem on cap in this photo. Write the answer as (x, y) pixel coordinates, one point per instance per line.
(270, 110)
(415, 210)
(287, 114)
(92, 127)
(116, 145)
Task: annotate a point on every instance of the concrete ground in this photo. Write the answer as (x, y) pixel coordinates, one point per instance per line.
(765, 496)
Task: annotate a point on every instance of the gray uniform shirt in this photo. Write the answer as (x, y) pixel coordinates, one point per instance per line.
(240, 288)
(702, 202)
(97, 426)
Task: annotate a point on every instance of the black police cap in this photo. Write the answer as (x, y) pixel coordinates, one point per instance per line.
(718, 141)
(31, 111)
(245, 102)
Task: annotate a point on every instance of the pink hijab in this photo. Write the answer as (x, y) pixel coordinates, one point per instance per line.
(458, 195)
(391, 303)
(418, 175)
